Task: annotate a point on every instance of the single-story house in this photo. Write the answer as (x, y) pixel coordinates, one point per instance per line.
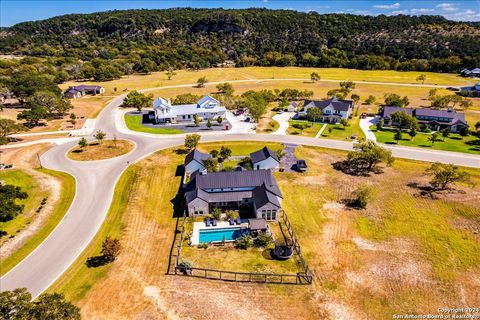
(255, 192)
(435, 119)
(333, 109)
(264, 159)
(205, 108)
(79, 91)
(194, 161)
(474, 73)
(292, 107)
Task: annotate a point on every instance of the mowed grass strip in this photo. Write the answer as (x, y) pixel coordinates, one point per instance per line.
(101, 150)
(66, 198)
(303, 128)
(28, 184)
(79, 279)
(134, 123)
(454, 142)
(339, 132)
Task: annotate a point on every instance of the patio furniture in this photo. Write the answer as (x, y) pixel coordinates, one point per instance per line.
(207, 222)
(214, 222)
(231, 221)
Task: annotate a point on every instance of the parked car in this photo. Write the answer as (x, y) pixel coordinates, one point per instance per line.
(353, 137)
(279, 111)
(247, 119)
(301, 165)
(363, 115)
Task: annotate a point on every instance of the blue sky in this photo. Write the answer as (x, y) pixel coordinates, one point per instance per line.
(14, 11)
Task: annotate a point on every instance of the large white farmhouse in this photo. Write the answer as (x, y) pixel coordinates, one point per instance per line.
(205, 108)
(332, 109)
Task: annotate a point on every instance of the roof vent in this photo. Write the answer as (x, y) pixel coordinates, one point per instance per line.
(204, 172)
(450, 109)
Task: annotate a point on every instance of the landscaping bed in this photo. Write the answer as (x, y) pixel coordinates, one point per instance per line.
(105, 149)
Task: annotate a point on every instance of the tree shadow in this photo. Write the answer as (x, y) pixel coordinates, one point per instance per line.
(77, 151)
(425, 190)
(353, 170)
(268, 254)
(180, 151)
(178, 202)
(97, 261)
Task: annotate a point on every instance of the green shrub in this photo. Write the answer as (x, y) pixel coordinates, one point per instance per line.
(262, 240)
(203, 246)
(244, 242)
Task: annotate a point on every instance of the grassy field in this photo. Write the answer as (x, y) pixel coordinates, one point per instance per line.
(454, 142)
(266, 123)
(404, 253)
(79, 279)
(135, 123)
(66, 198)
(158, 79)
(35, 195)
(241, 148)
(311, 129)
(344, 133)
(98, 151)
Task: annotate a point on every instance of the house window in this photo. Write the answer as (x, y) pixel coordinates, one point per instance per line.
(200, 212)
(264, 214)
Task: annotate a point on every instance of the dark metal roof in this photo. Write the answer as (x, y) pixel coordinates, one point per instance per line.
(338, 105)
(262, 195)
(388, 110)
(263, 154)
(450, 114)
(263, 182)
(197, 156)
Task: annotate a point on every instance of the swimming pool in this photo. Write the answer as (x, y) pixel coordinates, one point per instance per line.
(218, 235)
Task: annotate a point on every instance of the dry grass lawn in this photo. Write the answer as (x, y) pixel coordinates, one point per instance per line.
(99, 151)
(404, 253)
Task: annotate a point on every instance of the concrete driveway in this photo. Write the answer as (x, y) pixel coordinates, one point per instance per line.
(282, 119)
(365, 126)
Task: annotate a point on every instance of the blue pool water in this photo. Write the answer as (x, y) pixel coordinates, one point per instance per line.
(218, 235)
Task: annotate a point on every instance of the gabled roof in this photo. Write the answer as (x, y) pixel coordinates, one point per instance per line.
(388, 110)
(337, 105)
(262, 195)
(160, 102)
(196, 155)
(263, 154)
(85, 87)
(206, 100)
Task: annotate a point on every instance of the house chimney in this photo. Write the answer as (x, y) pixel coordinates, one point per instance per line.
(204, 172)
(450, 109)
(169, 103)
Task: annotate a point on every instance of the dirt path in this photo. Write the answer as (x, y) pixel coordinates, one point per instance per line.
(26, 159)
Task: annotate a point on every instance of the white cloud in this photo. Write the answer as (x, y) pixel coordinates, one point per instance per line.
(361, 12)
(465, 15)
(399, 12)
(387, 6)
(420, 11)
(447, 6)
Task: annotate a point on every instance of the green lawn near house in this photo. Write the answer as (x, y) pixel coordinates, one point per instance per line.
(340, 132)
(243, 148)
(303, 128)
(135, 123)
(59, 211)
(454, 142)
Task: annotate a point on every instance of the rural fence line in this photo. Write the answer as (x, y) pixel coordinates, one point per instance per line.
(300, 278)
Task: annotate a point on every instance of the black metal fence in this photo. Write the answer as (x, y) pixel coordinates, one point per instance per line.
(300, 278)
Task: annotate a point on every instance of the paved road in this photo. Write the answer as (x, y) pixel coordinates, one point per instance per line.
(96, 181)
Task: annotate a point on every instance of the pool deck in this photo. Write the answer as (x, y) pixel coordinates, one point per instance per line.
(197, 226)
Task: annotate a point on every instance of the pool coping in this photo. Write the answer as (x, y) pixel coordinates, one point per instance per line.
(197, 226)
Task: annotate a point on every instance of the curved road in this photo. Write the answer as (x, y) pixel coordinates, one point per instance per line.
(96, 182)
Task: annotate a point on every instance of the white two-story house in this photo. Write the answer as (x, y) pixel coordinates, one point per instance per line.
(332, 109)
(205, 108)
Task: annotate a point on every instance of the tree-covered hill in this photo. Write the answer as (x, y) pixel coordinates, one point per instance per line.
(148, 40)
